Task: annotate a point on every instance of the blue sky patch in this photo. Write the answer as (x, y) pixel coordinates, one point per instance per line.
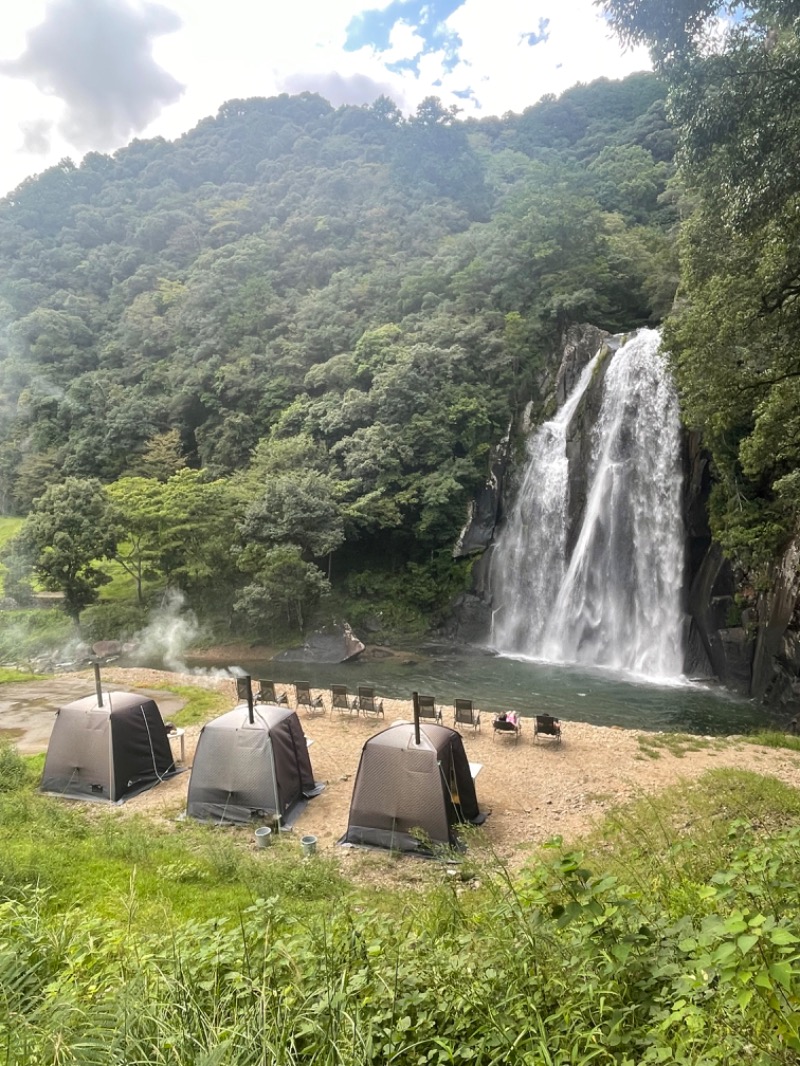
(404, 64)
(374, 27)
(540, 35)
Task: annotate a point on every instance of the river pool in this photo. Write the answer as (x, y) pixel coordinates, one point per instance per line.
(497, 683)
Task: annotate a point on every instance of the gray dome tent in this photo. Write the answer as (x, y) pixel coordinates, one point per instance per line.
(408, 796)
(107, 748)
(247, 768)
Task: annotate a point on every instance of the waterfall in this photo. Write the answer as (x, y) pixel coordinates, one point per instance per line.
(616, 601)
(529, 561)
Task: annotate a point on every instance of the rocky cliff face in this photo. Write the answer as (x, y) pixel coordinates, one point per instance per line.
(754, 653)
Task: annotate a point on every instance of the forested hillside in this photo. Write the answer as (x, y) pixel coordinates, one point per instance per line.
(733, 74)
(281, 348)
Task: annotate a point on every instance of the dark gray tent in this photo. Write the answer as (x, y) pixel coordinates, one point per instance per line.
(245, 769)
(407, 795)
(109, 750)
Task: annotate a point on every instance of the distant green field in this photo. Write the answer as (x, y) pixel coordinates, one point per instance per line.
(8, 528)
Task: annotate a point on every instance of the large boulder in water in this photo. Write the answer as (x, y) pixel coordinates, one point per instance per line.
(335, 644)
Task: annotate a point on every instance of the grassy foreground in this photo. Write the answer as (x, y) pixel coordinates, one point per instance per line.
(672, 936)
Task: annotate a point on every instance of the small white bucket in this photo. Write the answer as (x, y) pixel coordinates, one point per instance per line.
(263, 836)
(308, 844)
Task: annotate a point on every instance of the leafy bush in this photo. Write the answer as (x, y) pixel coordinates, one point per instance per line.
(112, 621)
(663, 946)
(28, 634)
(13, 768)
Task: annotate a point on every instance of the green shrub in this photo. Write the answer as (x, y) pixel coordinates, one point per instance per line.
(674, 938)
(28, 634)
(13, 768)
(112, 621)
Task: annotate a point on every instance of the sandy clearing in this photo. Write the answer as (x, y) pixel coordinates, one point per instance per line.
(534, 789)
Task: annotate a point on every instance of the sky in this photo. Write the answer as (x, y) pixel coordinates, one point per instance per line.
(91, 75)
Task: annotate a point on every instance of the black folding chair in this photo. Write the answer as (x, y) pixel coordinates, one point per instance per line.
(341, 700)
(464, 714)
(267, 693)
(428, 709)
(367, 702)
(545, 725)
(303, 698)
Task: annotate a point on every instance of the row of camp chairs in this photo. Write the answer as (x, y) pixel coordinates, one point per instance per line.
(364, 702)
(544, 725)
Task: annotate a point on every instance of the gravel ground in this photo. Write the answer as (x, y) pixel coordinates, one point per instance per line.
(534, 789)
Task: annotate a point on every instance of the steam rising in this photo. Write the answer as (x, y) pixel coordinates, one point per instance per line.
(170, 631)
(96, 56)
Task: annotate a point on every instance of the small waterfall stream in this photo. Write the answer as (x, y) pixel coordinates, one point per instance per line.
(616, 601)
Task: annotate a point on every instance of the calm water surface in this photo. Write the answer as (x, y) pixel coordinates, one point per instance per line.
(497, 683)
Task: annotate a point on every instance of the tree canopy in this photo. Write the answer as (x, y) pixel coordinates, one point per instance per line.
(333, 313)
(733, 73)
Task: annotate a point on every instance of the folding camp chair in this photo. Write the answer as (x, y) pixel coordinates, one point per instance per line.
(502, 726)
(366, 701)
(428, 709)
(303, 698)
(465, 714)
(341, 700)
(546, 725)
(267, 693)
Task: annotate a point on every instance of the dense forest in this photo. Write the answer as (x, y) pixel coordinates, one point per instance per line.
(274, 358)
(276, 353)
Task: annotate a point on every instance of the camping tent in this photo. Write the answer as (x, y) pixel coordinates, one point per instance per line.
(107, 750)
(408, 796)
(245, 768)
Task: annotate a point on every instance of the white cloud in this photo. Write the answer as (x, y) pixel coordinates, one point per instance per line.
(507, 74)
(404, 43)
(259, 48)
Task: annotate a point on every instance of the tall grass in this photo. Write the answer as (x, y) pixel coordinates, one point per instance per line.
(774, 739)
(673, 938)
(12, 677)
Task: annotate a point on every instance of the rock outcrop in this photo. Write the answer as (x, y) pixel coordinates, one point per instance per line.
(336, 644)
(754, 653)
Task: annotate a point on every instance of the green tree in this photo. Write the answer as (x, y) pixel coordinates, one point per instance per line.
(64, 537)
(162, 457)
(733, 72)
(734, 94)
(198, 518)
(284, 591)
(136, 512)
(296, 509)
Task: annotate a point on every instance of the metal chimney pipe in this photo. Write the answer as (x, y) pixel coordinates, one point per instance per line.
(249, 684)
(97, 685)
(415, 700)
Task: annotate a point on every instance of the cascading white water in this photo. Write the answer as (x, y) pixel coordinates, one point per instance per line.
(616, 601)
(529, 561)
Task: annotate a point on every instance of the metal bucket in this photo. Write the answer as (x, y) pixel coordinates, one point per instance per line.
(263, 836)
(308, 844)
